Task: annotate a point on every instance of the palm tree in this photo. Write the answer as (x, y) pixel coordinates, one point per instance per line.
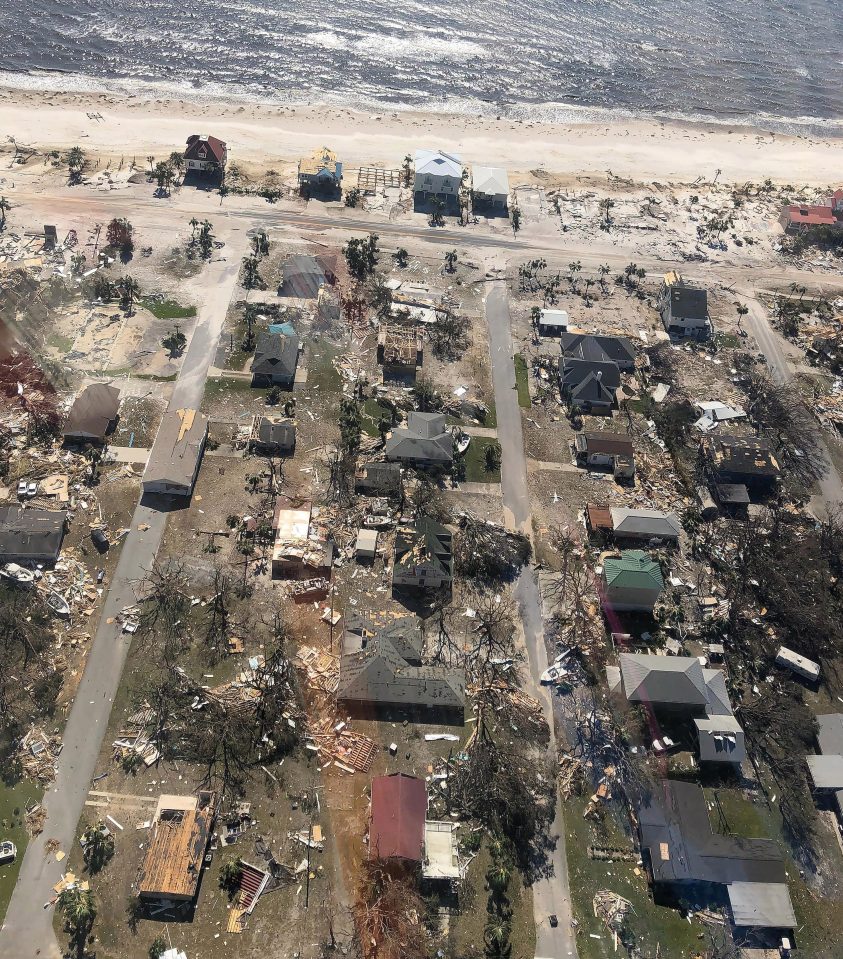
(588, 283)
(5, 206)
(604, 271)
(742, 309)
(98, 845)
(406, 167)
(498, 876)
(606, 205)
(401, 256)
(75, 160)
(250, 271)
(450, 260)
(80, 911)
(129, 289)
(194, 223)
(573, 269)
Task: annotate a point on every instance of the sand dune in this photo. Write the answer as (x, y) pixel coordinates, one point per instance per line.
(262, 136)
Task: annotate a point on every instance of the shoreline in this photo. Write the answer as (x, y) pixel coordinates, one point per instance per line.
(262, 135)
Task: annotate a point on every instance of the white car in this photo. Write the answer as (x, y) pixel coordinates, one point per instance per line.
(22, 488)
(32, 489)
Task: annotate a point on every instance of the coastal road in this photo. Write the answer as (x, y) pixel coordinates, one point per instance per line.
(551, 893)
(28, 929)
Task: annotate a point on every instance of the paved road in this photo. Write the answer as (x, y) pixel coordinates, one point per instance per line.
(551, 896)
(28, 929)
(770, 344)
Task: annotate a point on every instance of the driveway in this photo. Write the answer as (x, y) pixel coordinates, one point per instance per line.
(551, 895)
(28, 929)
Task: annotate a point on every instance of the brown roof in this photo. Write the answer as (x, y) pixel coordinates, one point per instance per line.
(399, 807)
(212, 146)
(173, 861)
(609, 443)
(94, 411)
(599, 518)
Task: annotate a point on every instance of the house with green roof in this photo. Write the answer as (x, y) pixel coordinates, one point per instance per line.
(631, 582)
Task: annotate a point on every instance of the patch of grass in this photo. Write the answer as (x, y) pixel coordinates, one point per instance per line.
(219, 387)
(475, 462)
(12, 827)
(522, 381)
(466, 929)
(168, 309)
(372, 414)
(651, 924)
(60, 342)
(728, 341)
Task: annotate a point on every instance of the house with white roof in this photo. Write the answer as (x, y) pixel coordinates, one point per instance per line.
(437, 175)
(490, 186)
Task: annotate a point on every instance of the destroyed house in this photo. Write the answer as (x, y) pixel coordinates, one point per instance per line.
(379, 479)
(606, 449)
(402, 630)
(424, 442)
(804, 217)
(205, 154)
(273, 434)
(93, 414)
(175, 854)
(630, 582)
(174, 460)
(681, 686)
(301, 550)
(680, 850)
(423, 555)
(396, 824)
(400, 352)
(275, 360)
(684, 308)
(303, 276)
(744, 460)
(373, 672)
(29, 535)
(623, 524)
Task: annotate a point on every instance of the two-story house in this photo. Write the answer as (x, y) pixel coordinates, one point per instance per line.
(438, 175)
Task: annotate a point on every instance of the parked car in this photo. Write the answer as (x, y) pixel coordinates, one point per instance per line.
(32, 488)
(22, 487)
(8, 852)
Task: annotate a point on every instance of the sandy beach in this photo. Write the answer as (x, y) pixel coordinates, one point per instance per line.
(262, 137)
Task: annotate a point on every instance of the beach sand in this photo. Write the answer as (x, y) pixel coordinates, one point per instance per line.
(262, 137)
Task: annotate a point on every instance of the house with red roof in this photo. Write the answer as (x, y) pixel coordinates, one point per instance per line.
(398, 811)
(205, 154)
(801, 218)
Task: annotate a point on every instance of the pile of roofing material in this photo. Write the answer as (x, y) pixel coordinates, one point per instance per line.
(612, 909)
(339, 746)
(323, 669)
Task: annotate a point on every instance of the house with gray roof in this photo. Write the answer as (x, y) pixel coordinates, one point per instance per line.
(31, 535)
(589, 386)
(682, 854)
(681, 686)
(631, 582)
(424, 556)
(597, 348)
(378, 479)
(275, 360)
(93, 414)
(644, 524)
(490, 187)
(381, 665)
(684, 308)
(424, 442)
(826, 769)
(176, 454)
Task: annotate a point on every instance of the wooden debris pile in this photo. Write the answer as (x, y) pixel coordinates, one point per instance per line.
(571, 776)
(339, 746)
(38, 753)
(323, 669)
(612, 909)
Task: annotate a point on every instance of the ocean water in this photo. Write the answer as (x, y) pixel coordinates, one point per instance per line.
(773, 63)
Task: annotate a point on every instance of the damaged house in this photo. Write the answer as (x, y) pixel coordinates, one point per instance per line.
(396, 818)
(275, 360)
(175, 855)
(273, 434)
(304, 276)
(631, 582)
(685, 858)
(30, 535)
(622, 524)
(379, 479)
(424, 556)
(93, 415)
(382, 665)
(424, 442)
(684, 308)
(740, 465)
(176, 454)
(603, 449)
